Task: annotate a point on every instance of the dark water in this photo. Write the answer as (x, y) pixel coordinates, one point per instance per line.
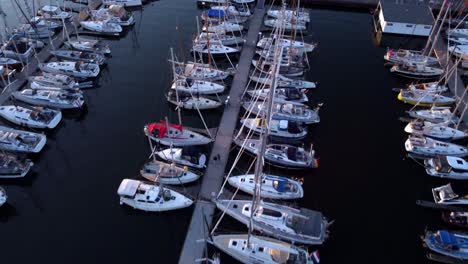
(68, 210)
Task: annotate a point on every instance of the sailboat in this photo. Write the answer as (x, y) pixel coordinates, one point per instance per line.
(12, 167)
(178, 155)
(34, 117)
(439, 131)
(188, 85)
(426, 146)
(285, 110)
(54, 12)
(439, 114)
(423, 98)
(158, 171)
(192, 101)
(273, 186)
(167, 134)
(267, 42)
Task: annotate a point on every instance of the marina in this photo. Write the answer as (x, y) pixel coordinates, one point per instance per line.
(104, 170)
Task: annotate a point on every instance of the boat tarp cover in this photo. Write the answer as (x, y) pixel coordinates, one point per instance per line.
(280, 185)
(215, 13)
(447, 238)
(162, 128)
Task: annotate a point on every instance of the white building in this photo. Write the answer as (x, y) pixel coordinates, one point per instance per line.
(403, 18)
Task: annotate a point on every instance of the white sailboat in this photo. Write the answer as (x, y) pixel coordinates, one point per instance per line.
(21, 141)
(157, 171)
(72, 68)
(426, 146)
(34, 117)
(178, 156)
(273, 186)
(439, 131)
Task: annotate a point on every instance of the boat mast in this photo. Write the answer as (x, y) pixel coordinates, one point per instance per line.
(278, 51)
(175, 81)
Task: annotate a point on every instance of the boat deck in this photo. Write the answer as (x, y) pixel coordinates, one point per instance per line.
(211, 182)
(311, 226)
(44, 55)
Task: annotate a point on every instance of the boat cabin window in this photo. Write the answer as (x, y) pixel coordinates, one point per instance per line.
(260, 249)
(234, 243)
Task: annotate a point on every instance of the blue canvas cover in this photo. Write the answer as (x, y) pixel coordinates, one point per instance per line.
(447, 238)
(281, 184)
(215, 13)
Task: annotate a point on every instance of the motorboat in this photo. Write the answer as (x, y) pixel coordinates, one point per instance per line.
(260, 250)
(418, 71)
(447, 167)
(282, 81)
(72, 68)
(178, 155)
(435, 115)
(287, 26)
(273, 187)
(445, 195)
(167, 134)
(74, 55)
(423, 98)
(33, 117)
(114, 14)
(222, 37)
(20, 140)
(302, 226)
(281, 95)
(268, 42)
(3, 196)
(213, 48)
(12, 167)
(101, 27)
(223, 27)
(439, 131)
(50, 98)
(453, 244)
(88, 45)
(151, 197)
(285, 110)
(54, 12)
(55, 80)
(281, 129)
(192, 86)
(192, 101)
(405, 57)
(281, 155)
(301, 16)
(426, 146)
(199, 71)
(164, 173)
(125, 3)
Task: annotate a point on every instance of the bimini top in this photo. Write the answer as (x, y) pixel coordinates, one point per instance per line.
(162, 128)
(215, 13)
(406, 13)
(128, 187)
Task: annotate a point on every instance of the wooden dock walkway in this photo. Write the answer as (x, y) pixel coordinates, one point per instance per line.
(44, 55)
(212, 180)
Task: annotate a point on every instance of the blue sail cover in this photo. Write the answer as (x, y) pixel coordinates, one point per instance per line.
(447, 238)
(215, 13)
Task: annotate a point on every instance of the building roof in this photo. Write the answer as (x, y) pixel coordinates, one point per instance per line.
(406, 12)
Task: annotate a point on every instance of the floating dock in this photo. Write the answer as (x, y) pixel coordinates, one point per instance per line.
(44, 55)
(204, 210)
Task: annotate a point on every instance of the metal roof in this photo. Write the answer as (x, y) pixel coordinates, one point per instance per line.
(406, 13)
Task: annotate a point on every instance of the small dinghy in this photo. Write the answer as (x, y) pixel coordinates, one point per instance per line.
(199, 71)
(102, 27)
(50, 98)
(74, 55)
(297, 26)
(3, 196)
(281, 155)
(54, 12)
(125, 3)
(223, 27)
(422, 98)
(418, 71)
(273, 187)
(188, 85)
(114, 14)
(260, 250)
(281, 129)
(302, 226)
(47, 81)
(434, 130)
(11, 167)
(192, 102)
(285, 110)
(72, 68)
(453, 244)
(222, 37)
(150, 197)
(405, 57)
(213, 48)
(283, 81)
(157, 171)
(178, 156)
(446, 196)
(88, 45)
(281, 95)
(459, 219)
(435, 115)
(34, 117)
(20, 140)
(167, 134)
(447, 167)
(267, 43)
(426, 146)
